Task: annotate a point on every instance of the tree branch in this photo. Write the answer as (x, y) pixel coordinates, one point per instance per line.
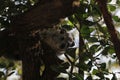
(43, 15)
(108, 20)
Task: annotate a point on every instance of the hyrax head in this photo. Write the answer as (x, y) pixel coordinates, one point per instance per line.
(58, 39)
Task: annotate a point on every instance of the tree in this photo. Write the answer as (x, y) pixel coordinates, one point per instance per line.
(45, 14)
(17, 39)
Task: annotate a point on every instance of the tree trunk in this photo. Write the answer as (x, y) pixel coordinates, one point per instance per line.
(30, 68)
(50, 59)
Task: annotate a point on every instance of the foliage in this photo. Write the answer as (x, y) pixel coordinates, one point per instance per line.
(8, 67)
(97, 43)
(10, 8)
(84, 62)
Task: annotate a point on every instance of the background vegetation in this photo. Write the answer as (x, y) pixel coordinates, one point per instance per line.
(96, 53)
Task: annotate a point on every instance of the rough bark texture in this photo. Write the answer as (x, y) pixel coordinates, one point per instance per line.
(30, 68)
(43, 15)
(18, 42)
(108, 20)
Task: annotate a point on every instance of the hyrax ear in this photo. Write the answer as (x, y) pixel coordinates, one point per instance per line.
(56, 27)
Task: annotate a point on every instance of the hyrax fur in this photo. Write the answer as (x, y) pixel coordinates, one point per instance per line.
(57, 39)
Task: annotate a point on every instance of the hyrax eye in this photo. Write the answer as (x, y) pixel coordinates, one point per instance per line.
(62, 46)
(62, 38)
(63, 31)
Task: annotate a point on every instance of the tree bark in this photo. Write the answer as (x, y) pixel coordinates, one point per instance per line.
(42, 15)
(49, 73)
(30, 68)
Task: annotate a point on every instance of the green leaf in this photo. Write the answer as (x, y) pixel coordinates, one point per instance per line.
(103, 66)
(93, 39)
(67, 27)
(95, 71)
(111, 7)
(82, 8)
(78, 76)
(103, 42)
(118, 2)
(2, 65)
(65, 65)
(10, 63)
(107, 79)
(89, 65)
(114, 77)
(82, 66)
(101, 75)
(71, 52)
(61, 68)
(105, 52)
(111, 50)
(73, 19)
(108, 49)
(93, 48)
(85, 31)
(116, 18)
(89, 23)
(89, 78)
(103, 29)
(94, 11)
(109, 0)
(1, 74)
(60, 79)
